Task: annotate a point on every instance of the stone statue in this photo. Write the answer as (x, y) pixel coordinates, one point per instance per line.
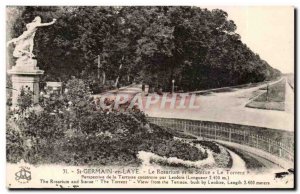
(24, 43)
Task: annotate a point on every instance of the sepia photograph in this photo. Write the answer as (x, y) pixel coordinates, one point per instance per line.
(160, 97)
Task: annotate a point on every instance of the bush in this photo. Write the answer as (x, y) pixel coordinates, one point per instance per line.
(209, 144)
(25, 99)
(14, 144)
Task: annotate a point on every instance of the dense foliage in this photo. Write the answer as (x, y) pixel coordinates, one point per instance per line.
(197, 47)
(71, 130)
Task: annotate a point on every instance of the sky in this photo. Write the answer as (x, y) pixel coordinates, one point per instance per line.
(267, 31)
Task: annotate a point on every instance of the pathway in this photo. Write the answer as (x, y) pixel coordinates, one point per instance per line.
(238, 164)
(228, 107)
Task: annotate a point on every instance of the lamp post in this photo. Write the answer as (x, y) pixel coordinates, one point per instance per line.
(267, 92)
(173, 81)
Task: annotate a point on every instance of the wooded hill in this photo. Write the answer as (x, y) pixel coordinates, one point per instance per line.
(196, 47)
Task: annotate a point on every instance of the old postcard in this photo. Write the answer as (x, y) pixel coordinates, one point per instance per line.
(150, 97)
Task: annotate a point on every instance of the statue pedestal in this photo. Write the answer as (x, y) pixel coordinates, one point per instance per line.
(22, 76)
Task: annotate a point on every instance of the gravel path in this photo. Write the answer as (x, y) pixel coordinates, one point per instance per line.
(238, 164)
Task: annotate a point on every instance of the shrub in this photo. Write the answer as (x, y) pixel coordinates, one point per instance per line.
(25, 99)
(209, 144)
(14, 144)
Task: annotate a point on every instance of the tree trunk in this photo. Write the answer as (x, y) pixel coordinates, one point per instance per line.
(117, 80)
(103, 77)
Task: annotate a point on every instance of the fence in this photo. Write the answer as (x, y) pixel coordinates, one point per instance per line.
(217, 132)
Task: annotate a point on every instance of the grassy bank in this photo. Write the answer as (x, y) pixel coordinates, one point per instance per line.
(272, 99)
(251, 162)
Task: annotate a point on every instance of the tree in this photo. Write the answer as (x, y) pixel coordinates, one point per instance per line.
(197, 47)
